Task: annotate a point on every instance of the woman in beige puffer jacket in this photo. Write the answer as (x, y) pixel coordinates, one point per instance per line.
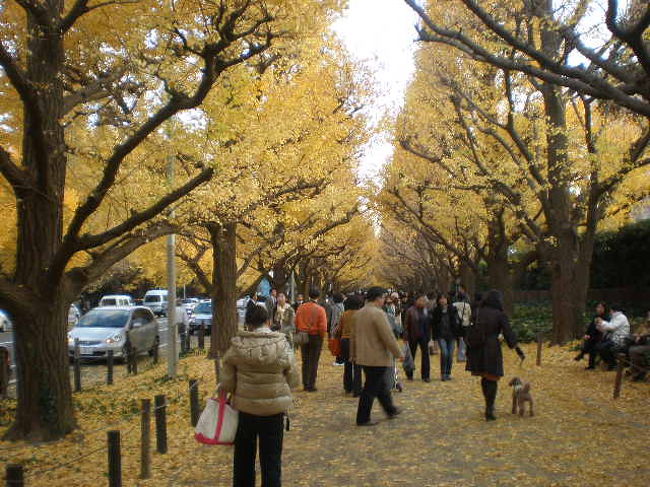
(259, 370)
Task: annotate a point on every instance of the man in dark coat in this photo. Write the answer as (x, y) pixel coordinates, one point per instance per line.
(484, 356)
(417, 333)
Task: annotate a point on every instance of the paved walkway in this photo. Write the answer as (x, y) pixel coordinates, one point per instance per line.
(579, 436)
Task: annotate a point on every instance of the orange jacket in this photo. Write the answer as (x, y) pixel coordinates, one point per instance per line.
(311, 318)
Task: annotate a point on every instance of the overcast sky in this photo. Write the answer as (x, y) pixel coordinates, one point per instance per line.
(380, 33)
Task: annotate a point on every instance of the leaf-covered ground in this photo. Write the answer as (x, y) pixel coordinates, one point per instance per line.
(579, 436)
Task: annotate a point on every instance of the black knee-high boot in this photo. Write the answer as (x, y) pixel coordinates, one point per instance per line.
(490, 393)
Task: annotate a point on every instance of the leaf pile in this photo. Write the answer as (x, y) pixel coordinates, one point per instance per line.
(579, 436)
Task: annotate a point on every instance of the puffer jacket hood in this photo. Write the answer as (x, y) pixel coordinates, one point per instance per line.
(259, 369)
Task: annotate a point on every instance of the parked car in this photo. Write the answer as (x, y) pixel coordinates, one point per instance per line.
(5, 322)
(116, 300)
(156, 301)
(107, 328)
(202, 315)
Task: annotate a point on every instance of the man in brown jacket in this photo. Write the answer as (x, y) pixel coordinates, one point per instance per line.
(373, 346)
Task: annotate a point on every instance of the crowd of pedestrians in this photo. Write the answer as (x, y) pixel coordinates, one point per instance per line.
(376, 331)
(260, 368)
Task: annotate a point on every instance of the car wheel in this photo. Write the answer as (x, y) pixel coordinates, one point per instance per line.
(156, 344)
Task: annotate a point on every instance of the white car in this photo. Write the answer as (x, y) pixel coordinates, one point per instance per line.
(5, 322)
(116, 300)
(156, 301)
(202, 316)
(107, 328)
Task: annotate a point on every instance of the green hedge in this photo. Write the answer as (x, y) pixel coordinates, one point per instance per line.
(530, 319)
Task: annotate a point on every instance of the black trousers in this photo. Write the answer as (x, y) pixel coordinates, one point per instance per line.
(425, 362)
(351, 371)
(269, 430)
(376, 385)
(589, 348)
(608, 350)
(310, 357)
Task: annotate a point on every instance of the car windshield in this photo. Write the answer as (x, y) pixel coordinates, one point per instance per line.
(105, 318)
(153, 298)
(203, 308)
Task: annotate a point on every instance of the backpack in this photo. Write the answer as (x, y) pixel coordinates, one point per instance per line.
(475, 336)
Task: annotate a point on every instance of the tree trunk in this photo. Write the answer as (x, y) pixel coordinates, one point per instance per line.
(498, 268)
(562, 294)
(558, 212)
(224, 296)
(44, 409)
(499, 276)
(467, 278)
(280, 277)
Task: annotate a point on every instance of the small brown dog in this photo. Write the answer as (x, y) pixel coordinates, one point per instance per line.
(520, 395)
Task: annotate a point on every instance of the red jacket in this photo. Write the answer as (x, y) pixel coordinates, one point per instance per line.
(311, 318)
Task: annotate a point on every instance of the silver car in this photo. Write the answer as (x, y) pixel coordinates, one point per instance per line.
(107, 328)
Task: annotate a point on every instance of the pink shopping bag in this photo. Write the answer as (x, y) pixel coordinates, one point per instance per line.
(218, 422)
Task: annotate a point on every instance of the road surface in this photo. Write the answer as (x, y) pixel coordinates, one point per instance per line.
(6, 340)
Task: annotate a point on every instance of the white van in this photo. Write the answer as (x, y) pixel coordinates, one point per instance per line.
(156, 301)
(116, 300)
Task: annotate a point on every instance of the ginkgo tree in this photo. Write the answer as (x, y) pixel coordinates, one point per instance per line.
(129, 68)
(554, 156)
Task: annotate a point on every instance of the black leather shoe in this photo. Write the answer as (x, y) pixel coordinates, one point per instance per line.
(394, 414)
(368, 423)
(426, 379)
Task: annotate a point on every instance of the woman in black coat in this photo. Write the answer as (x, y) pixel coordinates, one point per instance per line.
(446, 330)
(484, 356)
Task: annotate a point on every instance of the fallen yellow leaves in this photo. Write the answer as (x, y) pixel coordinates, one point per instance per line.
(579, 436)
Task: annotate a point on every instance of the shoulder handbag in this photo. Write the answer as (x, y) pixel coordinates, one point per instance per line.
(302, 337)
(218, 422)
(475, 337)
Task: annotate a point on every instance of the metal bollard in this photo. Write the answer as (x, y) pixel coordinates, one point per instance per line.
(145, 439)
(14, 475)
(618, 382)
(114, 459)
(202, 336)
(77, 366)
(160, 403)
(195, 411)
(5, 372)
(109, 367)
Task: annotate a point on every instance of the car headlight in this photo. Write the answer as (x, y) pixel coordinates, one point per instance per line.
(114, 339)
(70, 339)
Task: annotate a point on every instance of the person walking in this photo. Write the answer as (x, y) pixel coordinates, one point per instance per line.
(351, 370)
(284, 319)
(271, 303)
(259, 371)
(417, 333)
(464, 310)
(373, 347)
(446, 330)
(311, 318)
(338, 308)
(299, 300)
(484, 357)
